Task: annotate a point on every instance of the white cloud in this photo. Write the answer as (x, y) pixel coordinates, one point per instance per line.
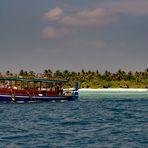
(106, 13)
(53, 14)
(50, 32)
(90, 17)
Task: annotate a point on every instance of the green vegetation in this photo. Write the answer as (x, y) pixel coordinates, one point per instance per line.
(92, 79)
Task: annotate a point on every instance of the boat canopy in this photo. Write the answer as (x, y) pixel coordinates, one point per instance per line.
(32, 80)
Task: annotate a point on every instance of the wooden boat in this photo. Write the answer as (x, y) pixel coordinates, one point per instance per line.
(33, 90)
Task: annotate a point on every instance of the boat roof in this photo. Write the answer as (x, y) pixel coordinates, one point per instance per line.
(32, 80)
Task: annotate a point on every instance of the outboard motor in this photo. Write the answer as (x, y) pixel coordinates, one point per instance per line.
(75, 92)
(76, 86)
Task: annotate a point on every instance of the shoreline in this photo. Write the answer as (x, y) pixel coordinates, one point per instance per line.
(114, 89)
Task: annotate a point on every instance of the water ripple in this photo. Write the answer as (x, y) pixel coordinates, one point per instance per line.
(89, 122)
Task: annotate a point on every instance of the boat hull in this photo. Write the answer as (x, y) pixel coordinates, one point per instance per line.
(18, 98)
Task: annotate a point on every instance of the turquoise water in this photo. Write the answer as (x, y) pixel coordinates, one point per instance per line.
(104, 119)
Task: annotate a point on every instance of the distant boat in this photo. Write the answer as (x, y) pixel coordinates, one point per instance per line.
(14, 89)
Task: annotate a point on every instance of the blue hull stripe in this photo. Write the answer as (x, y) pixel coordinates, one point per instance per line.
(35, 98)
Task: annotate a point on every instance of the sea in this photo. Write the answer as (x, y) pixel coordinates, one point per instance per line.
(95, 120)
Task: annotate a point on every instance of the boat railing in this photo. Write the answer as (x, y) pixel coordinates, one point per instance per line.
(35, 92)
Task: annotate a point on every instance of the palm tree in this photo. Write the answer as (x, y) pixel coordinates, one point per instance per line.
(66, 74)
(58, 74)
(21, 73)
(26, 74)
(82, 72)
(48, 73)
(97, 73)
(107, 76)
(32, 73)
(130, 75)
(7, 73)
(138, 76)
(121, 75)
(89, 75)
(146, 73)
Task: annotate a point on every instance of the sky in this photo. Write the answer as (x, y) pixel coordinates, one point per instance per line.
(73, 35)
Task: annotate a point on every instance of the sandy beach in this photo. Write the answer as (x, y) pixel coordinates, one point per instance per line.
(115, 89)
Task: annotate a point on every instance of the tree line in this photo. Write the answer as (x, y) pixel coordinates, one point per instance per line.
(92, 79)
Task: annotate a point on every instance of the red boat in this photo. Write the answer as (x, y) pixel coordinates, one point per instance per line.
(32, 90)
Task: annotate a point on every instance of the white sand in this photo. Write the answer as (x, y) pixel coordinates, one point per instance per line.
(113, 89)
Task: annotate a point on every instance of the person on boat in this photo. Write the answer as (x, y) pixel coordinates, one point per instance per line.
(51, 89)
(7, 84)
(10, 86)
(14, 87)
(48, 87)
(2, 86)
(60, 89)
(56, 89)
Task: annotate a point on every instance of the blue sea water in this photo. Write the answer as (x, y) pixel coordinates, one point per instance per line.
(96, 120)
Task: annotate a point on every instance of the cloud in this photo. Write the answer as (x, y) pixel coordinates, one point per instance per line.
(106, 14)
(130, 7)
(90, 17)
(97, 16)
(50, 32)
(53, 14)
